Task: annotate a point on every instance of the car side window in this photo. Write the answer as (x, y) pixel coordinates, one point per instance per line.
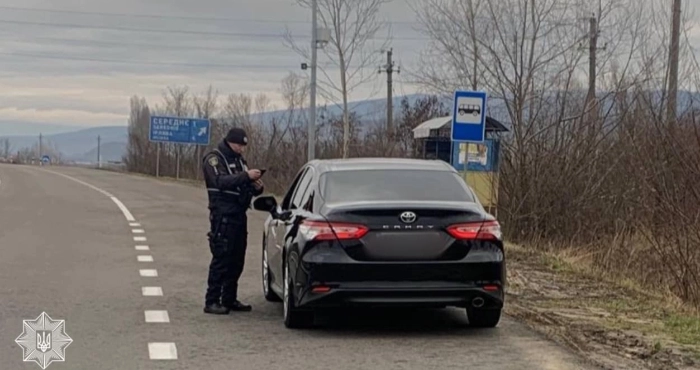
(286, 203)
(306, 196)
(301, 189)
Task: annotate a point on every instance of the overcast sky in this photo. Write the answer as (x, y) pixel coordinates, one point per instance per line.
(78, 75)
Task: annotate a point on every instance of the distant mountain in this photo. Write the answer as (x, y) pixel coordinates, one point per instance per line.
(74, 144)
(109, 152)
(12, 128)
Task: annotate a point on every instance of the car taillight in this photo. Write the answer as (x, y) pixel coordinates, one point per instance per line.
(486, 230)
(321, 230)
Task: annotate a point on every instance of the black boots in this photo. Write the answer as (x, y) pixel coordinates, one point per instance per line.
(238, 306)
(216, 309)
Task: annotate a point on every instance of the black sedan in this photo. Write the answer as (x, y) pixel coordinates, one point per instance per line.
(381, 232)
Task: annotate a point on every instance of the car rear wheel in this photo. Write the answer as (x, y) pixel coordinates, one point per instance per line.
(269, 294)
(483, 318)
(294, 318)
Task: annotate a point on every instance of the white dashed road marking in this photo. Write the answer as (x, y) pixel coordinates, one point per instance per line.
(156, 350)
(152, 291)
(162, 351)
(157, 316)
(148, 273)
(145, 258)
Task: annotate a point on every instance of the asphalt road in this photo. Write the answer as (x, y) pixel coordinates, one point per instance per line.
(67, 249)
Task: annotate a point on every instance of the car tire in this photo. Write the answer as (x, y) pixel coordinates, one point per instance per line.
(269, 294)
(294, 318)
(483, 318)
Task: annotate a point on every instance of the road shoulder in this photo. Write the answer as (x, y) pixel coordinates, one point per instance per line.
(614, 325)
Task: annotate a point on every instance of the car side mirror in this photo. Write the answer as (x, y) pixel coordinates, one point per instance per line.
(266, 204)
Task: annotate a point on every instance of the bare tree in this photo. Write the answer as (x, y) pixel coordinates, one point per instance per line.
(353, 25)
(205, 106)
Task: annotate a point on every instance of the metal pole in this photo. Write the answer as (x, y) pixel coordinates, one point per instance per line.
(158, 161)
(41, 148)
(314, 53)
(673, 64)
(99, 158)
(177, 171)
(390, 99)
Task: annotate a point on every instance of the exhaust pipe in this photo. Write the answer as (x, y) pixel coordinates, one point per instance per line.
(477, 302)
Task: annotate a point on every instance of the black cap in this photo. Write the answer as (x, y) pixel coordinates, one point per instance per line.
(237, 136)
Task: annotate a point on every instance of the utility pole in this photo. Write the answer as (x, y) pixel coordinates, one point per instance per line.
(388, 68)
(593, 33)
(592, 58)
(41, 147)
(99, 158)
(314, 57)
(673, 64)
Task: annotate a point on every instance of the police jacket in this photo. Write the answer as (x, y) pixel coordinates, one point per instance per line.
(229, 188)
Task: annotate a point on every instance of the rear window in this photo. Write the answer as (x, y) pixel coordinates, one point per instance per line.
(394, 185)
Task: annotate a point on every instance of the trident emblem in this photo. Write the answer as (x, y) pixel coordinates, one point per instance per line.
(43, 340)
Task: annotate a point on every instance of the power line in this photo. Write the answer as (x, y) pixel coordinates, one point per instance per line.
(121, 61)
(160, 16)
(140, 45)
(172, 31)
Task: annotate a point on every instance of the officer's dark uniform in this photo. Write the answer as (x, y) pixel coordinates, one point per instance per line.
(230, 192)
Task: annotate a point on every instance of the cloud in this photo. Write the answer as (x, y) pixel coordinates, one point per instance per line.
(81, 75)
(61, 116)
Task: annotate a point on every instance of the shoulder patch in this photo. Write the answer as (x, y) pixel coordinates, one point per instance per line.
(213, 161)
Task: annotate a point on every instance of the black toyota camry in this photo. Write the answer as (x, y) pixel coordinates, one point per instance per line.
(381, 232)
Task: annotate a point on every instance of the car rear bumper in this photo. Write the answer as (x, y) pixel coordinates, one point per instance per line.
(408, 294)
(346, 281)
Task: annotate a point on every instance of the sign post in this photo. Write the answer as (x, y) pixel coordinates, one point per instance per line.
(176, 130)
(468, 121)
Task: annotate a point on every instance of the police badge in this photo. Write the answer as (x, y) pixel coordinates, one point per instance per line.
(213, 161)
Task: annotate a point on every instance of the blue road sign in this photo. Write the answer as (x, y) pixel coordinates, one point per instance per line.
(46, 159)
(179, 130)
(469, 116)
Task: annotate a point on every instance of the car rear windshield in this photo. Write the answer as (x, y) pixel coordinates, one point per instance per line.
(394, 185)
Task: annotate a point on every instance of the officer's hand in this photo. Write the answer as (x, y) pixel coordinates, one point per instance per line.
(258, 184)
(254, 174)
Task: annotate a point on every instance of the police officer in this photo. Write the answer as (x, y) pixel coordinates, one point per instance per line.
(231, 187)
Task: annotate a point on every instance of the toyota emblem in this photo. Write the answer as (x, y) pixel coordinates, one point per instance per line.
(408, 217)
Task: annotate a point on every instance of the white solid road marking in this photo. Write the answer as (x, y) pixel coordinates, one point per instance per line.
(137, 231)
(127, 214)
(162, 351)
(140, 239)
(145, 258)
(152, 291)
(148, 273)
(122, 207)
(134, 224)
(141, 247)
(157, 316)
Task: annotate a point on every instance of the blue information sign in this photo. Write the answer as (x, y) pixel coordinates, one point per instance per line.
(469, 116)
(179, 130)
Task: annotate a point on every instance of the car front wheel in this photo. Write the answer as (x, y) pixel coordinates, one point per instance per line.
(294, 318)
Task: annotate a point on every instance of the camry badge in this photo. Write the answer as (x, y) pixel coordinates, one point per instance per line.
(408, 217)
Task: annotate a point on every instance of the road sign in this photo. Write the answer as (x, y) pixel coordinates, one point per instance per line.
(46, 159)
(469, 116)
(179, 130)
